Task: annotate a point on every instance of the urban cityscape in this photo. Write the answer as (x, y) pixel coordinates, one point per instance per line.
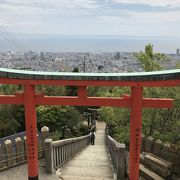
(84, 61)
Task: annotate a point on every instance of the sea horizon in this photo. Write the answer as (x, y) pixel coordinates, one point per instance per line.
(94, 43)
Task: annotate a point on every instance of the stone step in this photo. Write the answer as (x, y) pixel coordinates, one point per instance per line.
(84, 178)
(104, 172)
(89, 163)
(156, 164)
(141, 178)
(148, 174)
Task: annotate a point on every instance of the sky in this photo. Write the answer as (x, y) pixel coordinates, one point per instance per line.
(92, 17)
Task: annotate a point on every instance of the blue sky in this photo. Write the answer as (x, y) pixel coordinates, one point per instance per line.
(92, 17)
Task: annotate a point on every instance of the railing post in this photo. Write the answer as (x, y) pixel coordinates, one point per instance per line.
(1, 157)
(121, 169)
(45, 134)
(19, 150)
(24, 144)
(9, 152)
(157, 147)
(49, 155)
(142, 142)
(149, 144)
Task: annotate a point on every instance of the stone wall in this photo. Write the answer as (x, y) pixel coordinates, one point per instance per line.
(168, 152)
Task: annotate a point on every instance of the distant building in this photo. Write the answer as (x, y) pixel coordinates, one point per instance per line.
(178, 51)
(117, 56)
(41, 56)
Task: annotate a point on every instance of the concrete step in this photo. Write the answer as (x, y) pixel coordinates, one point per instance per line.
(141, 178)
(104, 172)
(89, 163)
(148, 174)
(156, 164)
(84, 178)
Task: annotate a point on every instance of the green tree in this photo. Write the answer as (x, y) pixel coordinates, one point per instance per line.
(159, 123)
(150, 60)
(51, 90)
(117, 119)
(12, 116)
(57, 117)
(8, 122)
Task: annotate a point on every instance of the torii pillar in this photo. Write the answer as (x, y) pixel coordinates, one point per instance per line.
(31, 131)
(135, 131)
(137, 102)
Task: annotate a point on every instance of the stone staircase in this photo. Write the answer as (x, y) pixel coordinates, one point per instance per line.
(154, 168)
(93, 163)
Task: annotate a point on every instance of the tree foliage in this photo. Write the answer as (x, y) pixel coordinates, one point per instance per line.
(159, 123)
(57, 117)
(8, 124)
(150, 60)
(12, 118)
(51, 90)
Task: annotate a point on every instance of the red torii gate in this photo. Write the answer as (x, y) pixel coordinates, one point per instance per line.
(29, 79)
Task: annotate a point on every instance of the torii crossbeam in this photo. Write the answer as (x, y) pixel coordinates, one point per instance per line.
(135, 102)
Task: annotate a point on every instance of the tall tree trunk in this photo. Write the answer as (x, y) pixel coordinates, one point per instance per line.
(152, 123)
(168, 114)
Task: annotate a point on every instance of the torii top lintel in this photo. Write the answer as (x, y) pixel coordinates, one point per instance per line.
(145, 79)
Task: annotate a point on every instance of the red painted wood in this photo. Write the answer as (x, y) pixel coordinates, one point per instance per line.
(31, 130)
(154, 102)
(166, 83)
(82, 91)
(157, 103)
(11, 99)
(135, 102)
(87, 101)
(135, 132)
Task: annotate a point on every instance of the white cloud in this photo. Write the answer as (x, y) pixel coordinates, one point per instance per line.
(150, 17)
(53, 4)
(68, 16)
(43, 8)
(171, 3)
(11, 12)
(156, 17)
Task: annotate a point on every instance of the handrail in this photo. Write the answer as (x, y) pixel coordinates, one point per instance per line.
(13, 150)
(68, 141)
(118, 157)
(59, 152)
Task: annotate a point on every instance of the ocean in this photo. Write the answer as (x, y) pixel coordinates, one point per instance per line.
(164, 45)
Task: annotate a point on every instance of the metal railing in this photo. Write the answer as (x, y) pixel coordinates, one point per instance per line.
(59, 152)
(118, 156)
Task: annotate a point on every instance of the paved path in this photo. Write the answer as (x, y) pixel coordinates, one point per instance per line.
(20, 173)
(93, 163)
